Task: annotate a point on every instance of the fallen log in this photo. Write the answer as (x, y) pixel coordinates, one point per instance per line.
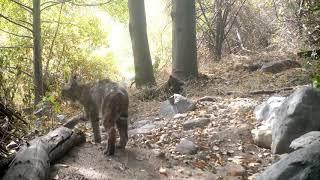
(32, 162)
(73, 121)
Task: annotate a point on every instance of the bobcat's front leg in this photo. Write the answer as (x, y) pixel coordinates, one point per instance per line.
(94, 118)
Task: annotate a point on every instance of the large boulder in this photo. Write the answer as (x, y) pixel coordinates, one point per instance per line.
(176, 104)
(303, 164)
(306, 140)
(265, 114)
(279, 66)
(267, 109)
(298, 114)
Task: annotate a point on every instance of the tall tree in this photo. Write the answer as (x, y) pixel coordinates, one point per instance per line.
(35, 29)
(37, 49)
(140, 46)
(184, 49)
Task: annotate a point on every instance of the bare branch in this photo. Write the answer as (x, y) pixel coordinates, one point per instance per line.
(19, 69)
(53, 41)
(16, 47)
(234, 18)
(48, 2)
(93, 4)
(52, 3)
(29, 9)
(26, 22)
(14, 22)
(18, 35)
(56, 22)
(206, 20)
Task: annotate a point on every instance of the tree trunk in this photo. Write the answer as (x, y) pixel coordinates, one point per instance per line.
(138, 31)
(219, 31)
(184, 48)
(37, 61)
(32, 162)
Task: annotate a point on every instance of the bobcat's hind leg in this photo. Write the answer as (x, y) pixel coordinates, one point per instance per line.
(111, 142)
(122, 125)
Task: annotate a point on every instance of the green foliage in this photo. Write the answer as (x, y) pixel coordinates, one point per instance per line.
(118, 9)
(316, 81)
(71, 38)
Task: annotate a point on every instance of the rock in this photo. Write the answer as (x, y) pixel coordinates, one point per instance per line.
(186, 147)
(146, 129)
(303, 164)
(61, 117)
(235, 170)
(140, 123)
(242, 103)
(208, 98)
(42, 111)
(231, 170)
(306, 140)
(279, 66)
(266, 113)
(167, 109)
(12, 145)
(196, 123)
(163, 138)
(178, 116)
(297, 115)
(212, 109)
(163, 171)
(158, 153)
(268, 108)
(262, 135)
(176, 104)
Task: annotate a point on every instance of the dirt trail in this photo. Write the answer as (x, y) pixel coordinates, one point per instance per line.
(88, 162)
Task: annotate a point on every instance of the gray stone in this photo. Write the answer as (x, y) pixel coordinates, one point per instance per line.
(279, 66)
(167, 109)
(208, 98)
(262, 135)
(196, 123)
(268, 108)
(140, 123)
(186, 147)
(265, 113)
(12, 145)
(61, 117)
(306, 140)
(297, 115)
(176, 104)
(303, 164)
(146, 129)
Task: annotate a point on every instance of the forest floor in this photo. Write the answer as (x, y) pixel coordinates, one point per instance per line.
(225, 147)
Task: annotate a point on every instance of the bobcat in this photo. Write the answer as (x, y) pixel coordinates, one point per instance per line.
(105, 100)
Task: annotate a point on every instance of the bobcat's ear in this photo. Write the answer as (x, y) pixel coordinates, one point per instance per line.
(74, 78)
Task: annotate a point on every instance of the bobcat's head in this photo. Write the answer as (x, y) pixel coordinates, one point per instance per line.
(71, 90)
